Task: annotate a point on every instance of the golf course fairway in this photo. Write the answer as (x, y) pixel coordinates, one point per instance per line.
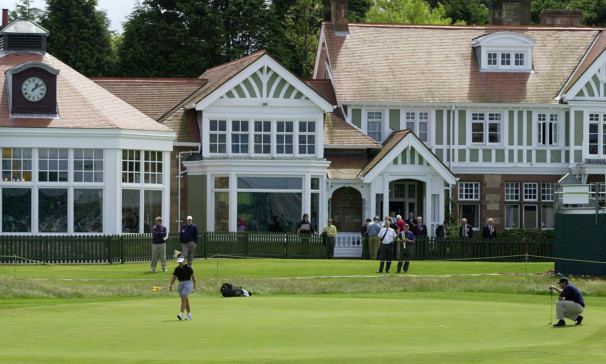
(414, 327)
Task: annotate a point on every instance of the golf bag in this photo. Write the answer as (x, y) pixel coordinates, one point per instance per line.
(229, 290)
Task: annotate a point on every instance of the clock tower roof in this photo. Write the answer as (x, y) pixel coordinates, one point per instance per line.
(23, 35)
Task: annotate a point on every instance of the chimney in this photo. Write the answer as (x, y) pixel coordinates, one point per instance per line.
(4, 18)
(339, 17)
(510, 12)
(561, 17)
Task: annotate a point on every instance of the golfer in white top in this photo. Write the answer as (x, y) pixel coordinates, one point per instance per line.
(387, 235)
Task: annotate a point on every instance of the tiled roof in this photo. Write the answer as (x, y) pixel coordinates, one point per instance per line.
(152, 96)
(593, 54)
(185, 123)
(323, 88)
(340, 134)
(431, 63)
(345, 166)
(388, 145)
(82, 103)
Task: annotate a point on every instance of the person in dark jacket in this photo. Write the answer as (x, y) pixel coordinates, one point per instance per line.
(276, 225)
(305, 226)
(466, 230)
(420, 229)
(441, 232)
(189, 240)
(159, 234)
(570, 303)
(489, 231)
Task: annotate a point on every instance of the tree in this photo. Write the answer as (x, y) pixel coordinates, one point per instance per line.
(406, 12)
(472, 12)
(79, 36)
(302, 28)
(24, 10)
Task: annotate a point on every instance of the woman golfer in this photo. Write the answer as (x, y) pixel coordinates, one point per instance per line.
(185, 274)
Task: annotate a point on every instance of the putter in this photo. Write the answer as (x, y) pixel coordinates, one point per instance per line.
(551, 305)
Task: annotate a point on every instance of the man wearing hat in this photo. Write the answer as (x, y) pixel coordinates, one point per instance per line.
(189, 240)
(373, 238)
(570, 303)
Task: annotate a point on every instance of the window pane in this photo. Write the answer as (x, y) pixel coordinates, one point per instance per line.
(221, 211)
(257, 209)
(16, 210)
(52, 210)
(471, 213)
(130, 211)
(270, 183)
(547, 216)
(221, 182)
(152, 209)
(88, 210)
(512, 216)
(530, 217)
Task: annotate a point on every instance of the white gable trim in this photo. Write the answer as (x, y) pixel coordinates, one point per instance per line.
(264, 61)
(503, 39)
(585, 78)
(411, 141)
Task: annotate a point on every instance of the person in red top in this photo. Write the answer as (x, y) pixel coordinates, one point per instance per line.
(400, 223)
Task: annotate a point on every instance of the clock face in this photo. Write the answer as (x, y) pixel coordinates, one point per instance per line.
(33, 89)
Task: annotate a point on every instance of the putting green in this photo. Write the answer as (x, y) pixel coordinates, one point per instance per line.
(363, 328)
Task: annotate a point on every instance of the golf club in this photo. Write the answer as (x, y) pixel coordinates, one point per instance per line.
(551, 305)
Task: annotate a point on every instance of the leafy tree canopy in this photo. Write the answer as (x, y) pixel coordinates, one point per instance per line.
(79, 36)
(406, 12)
(24, 10)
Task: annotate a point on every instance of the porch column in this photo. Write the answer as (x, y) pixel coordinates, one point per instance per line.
(385, 196)
(233, 202)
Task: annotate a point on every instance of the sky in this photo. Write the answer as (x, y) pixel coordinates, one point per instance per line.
(117, 10)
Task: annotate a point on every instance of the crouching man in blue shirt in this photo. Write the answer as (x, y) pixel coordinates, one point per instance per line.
(570, 303)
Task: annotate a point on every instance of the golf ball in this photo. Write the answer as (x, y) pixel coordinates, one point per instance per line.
(14, 315)
(442, 326)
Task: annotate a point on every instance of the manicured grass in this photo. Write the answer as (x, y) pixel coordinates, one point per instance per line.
(263, 268)
(300, 312)
(366, 328)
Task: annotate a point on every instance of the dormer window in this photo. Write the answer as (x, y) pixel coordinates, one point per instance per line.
(504, 52)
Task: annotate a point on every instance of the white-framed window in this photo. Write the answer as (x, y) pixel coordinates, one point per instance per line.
(374, 124)
(152, 172)
(492, 59)
(307, 137)
(486, 128)
(418, 122)
(284, 137)
(88, 165)
(547, 217)
(512, 191)
(469, 191)
(531, 192)
(512, 216)
(547, 132)
(16, 164)
(262, 137)
(239, 136)
(131, 166)
(506, 59)
(217, 136)
(53, 165)
(400, 190)
(547, 191)
(471, 212)
(597, 134)
(519, 59)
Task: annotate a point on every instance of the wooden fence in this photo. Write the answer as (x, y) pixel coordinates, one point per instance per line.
(132, 248)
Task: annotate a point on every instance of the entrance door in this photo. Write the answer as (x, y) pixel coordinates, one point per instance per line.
(403, 198)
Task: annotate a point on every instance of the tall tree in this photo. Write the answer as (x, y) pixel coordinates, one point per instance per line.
(79, 36)
(25, 10)
(472, 12)
(406, 12)
(302, 27)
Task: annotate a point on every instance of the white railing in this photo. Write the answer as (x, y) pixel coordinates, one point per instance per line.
(348, 245)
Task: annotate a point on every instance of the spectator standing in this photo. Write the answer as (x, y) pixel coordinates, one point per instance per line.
(276, 225)
(400, 223)
(305, 226)
(466, 230)
(364, 233)
(159, 234)
(570, 303)
(411, 221)
(373, 238)
(189, 240)
(489, 231)
(441, 231)
(406, 240)
(387, 236)
(420, 230)
(329, 232)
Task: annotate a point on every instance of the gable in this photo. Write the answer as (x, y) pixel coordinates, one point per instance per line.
(593, 87)
(264, 82)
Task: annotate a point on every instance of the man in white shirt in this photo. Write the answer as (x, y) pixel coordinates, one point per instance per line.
(387, 235)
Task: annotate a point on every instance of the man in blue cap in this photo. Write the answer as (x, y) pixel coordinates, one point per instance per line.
(570, 303)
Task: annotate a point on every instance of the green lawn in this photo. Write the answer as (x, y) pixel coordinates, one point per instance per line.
(361, 318)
